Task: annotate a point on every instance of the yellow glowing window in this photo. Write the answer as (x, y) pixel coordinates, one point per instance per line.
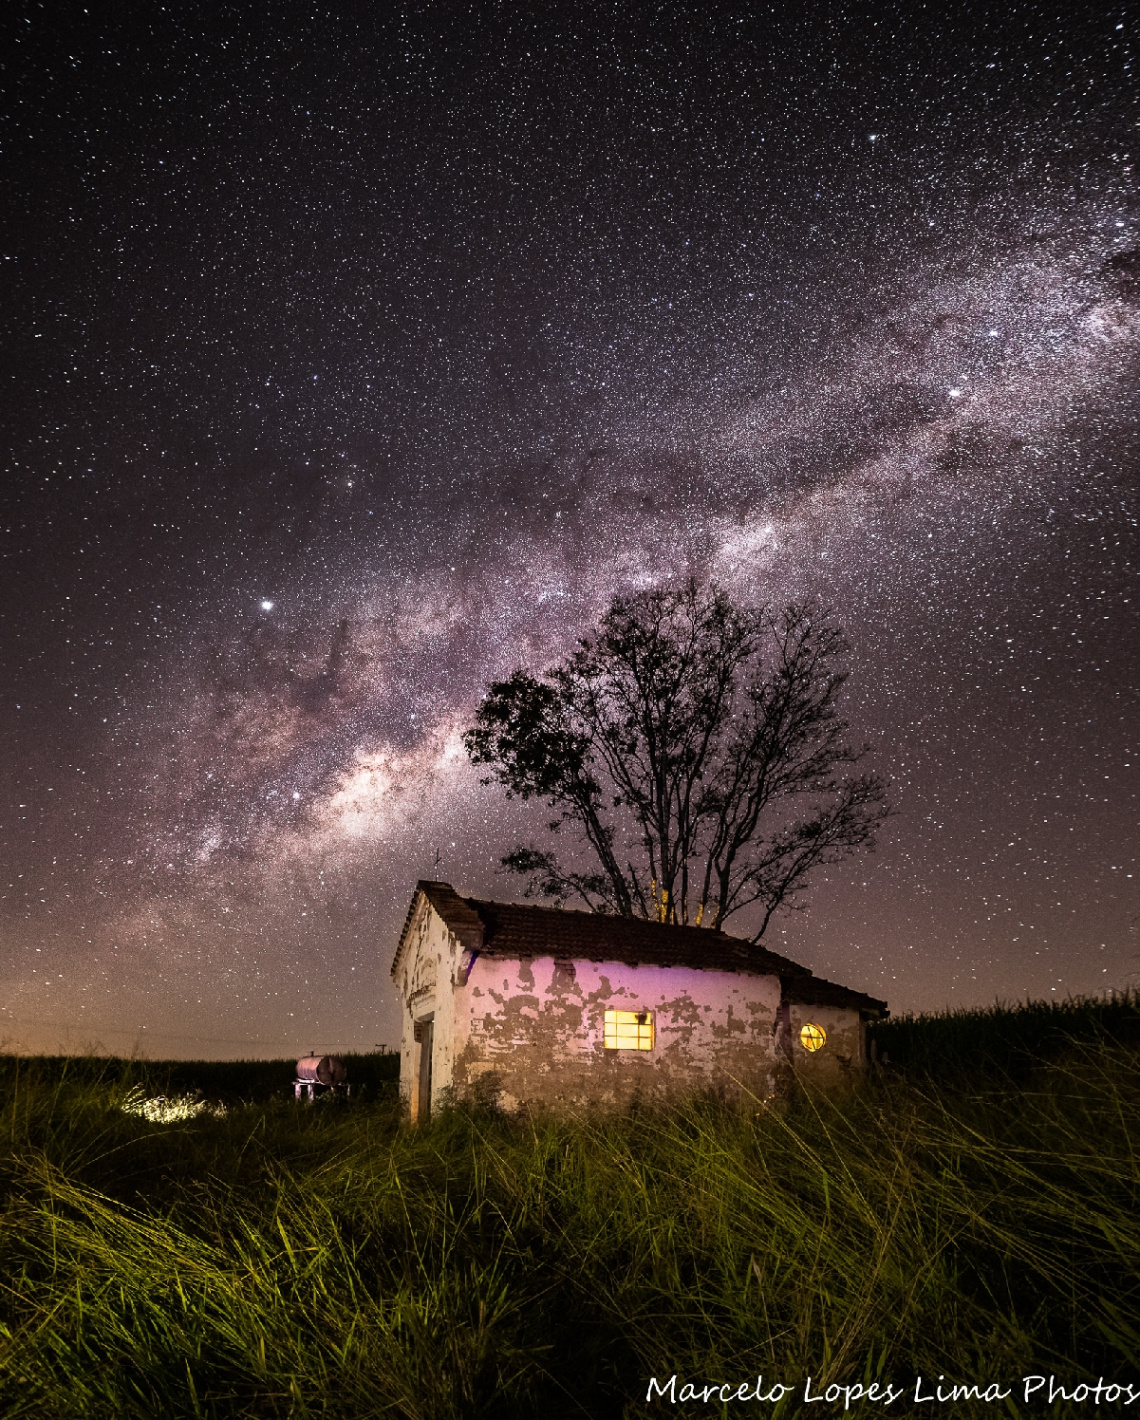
(813, 1037)
(629, 1030)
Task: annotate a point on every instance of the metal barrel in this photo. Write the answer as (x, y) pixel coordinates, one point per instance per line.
(323, 1069)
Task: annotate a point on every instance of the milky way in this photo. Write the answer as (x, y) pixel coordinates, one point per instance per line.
(352, 365)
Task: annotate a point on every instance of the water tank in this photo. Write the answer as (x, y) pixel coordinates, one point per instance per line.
(322, 1069)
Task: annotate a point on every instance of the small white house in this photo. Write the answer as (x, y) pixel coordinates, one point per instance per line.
(541, 1006)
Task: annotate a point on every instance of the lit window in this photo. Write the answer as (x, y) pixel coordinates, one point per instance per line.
(629, 1030)
(813, 1037)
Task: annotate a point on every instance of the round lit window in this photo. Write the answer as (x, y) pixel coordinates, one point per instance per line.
(813, 1037)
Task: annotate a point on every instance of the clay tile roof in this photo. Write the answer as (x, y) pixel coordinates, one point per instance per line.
(515, 930)
(520, 930)
(815, 991)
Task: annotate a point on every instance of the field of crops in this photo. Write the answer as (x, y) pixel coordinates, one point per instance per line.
(970, 1212)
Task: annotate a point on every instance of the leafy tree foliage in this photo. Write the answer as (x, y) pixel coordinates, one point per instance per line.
(698, 750)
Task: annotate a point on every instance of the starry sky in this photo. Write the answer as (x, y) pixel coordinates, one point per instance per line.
(355, 356)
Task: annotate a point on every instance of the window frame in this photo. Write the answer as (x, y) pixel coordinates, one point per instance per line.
(633, 1031)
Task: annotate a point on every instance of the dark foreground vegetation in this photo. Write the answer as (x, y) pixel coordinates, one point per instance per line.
(969, 1212)
(224, 1082)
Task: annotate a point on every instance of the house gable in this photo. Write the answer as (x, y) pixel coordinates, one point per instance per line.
(457, 915)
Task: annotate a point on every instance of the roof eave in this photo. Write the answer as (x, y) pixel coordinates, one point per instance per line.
(460, 919)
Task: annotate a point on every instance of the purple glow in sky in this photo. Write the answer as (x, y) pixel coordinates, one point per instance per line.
(352, 362)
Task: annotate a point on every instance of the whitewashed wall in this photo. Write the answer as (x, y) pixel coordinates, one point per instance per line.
(537, 1025)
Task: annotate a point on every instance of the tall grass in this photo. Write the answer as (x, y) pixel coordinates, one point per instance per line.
(1006, 1041)
(305, 1261)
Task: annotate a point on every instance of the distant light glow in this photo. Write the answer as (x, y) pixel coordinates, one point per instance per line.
(267, 606)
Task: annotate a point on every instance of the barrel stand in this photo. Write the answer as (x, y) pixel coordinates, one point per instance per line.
(304, 1089)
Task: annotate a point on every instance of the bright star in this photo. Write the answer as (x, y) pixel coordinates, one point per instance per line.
(267, 606)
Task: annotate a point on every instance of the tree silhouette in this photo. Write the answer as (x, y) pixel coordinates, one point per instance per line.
(698, 750)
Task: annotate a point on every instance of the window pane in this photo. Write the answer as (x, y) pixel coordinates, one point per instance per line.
(628, 1030)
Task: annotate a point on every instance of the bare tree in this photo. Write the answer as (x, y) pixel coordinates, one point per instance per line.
(699, 751)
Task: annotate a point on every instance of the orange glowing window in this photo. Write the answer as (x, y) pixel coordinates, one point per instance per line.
(813, 1037)
(629, 1030)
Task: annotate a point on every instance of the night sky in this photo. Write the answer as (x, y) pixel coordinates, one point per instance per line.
(355, 356)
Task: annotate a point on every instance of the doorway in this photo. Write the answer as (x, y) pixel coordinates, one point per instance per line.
(425, 1035)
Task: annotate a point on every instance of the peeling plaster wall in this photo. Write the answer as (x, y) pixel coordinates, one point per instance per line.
(844, 1054)
(530, 1031)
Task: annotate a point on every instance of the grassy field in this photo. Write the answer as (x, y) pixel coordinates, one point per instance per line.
(971, 1212)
